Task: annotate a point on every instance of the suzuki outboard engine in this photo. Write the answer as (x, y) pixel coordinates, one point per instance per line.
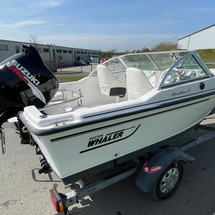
(24, 80)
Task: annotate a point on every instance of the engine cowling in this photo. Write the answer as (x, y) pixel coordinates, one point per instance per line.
(25, 80)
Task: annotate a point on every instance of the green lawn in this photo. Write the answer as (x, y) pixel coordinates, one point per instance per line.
(208, 55)
(69, 78)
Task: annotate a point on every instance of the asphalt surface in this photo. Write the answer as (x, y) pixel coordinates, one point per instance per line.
(23, 191)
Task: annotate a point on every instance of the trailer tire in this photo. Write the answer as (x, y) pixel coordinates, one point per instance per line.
(168, 182)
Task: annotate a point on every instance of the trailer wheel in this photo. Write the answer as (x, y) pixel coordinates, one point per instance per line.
(168, 181)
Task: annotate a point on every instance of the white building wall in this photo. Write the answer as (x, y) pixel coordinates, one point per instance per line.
(200, 40)
(59, 54)
(183, 43)
(11, 49)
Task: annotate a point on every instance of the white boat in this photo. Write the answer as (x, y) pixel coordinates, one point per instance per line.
(125, 107)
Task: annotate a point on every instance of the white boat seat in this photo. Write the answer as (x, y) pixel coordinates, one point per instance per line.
(137, 83)
(109, 85)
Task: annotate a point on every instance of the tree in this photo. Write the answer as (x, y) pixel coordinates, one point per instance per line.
(34, 40)
(165, 46)
(144, 49)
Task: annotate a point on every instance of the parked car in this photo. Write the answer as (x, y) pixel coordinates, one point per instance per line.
(80, 63)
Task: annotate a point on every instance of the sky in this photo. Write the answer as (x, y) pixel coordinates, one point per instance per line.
(119, 25)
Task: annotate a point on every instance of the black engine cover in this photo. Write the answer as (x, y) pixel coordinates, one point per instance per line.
(25, 80)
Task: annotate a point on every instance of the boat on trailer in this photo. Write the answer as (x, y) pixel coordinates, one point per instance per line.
(117, 121)
(124, 108)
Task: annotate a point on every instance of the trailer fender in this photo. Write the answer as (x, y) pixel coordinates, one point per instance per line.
(153, 167)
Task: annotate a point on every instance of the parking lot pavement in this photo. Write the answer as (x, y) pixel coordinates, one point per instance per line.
(23, 191)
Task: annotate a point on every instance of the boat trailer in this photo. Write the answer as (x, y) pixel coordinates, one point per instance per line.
(158, 174)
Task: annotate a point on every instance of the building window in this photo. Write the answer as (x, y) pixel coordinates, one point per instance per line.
(70, 52)
(17, 49)
(78, 52)
(45, 50)
(3, 47)
(64, 51)
(59, 51)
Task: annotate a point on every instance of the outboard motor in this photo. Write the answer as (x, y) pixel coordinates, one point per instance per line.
(24, 80)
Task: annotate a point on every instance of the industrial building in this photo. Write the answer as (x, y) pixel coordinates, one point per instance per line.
(202, 39)
(54, 56)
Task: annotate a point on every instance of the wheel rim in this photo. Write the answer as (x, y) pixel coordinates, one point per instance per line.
(169, 180)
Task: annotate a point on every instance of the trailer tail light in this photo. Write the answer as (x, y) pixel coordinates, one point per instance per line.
(152, 169)
(56, 201)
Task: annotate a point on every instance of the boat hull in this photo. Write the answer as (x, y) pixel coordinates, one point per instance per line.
(76, 150)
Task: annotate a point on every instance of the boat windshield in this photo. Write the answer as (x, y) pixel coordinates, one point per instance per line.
(188, 68)
(149, 61)
(115, 65)
(141, 61)
(161, 68)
